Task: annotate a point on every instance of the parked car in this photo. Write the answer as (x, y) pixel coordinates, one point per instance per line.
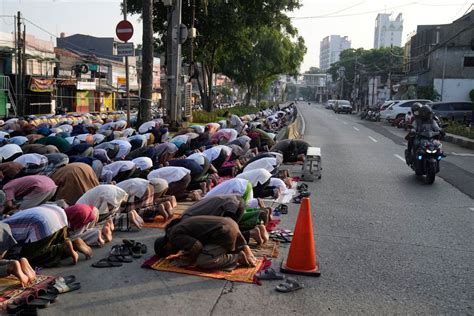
(342, 106)
(399, 109)
(458, 111)
(388, 103)
(330, 104)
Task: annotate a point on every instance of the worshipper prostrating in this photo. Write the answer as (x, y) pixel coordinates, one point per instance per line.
(73, 180)
(20, 268)
(41, 233)
(108, 199)
(207, 242)
(26, 192)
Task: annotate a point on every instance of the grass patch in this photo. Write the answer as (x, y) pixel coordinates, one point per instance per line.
(217, 115)
(460, 130)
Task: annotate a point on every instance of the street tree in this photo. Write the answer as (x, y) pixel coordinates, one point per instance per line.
(262, 54)
(219, 24)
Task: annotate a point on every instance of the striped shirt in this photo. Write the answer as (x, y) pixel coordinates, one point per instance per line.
(36, 223)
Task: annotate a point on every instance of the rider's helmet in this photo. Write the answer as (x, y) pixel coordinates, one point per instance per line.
(425, 112)
(415, 108)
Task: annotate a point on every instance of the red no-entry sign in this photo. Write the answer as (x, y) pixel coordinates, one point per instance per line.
(124, 30)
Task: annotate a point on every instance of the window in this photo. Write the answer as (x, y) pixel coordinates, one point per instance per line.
(463, 106)
(469, 61)
(442, 107)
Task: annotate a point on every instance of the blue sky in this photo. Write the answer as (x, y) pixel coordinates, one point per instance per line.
(355, 18)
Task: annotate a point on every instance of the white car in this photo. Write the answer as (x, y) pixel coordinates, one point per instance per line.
(399, 108)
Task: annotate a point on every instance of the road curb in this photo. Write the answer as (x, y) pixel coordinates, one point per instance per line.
(459, 140)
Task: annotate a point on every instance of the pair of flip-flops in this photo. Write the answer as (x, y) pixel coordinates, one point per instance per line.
(283, 236)
(123, 253)
(269, 274)
(113, 261)
(65, 284)
(302, 187)
(290, 285)
(282, 209)
(300, 197)
(34, 299)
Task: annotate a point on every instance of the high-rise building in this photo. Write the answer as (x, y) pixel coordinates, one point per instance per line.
(388, 31)
(330, 48)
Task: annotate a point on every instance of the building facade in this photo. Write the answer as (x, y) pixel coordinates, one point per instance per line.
(330, 49)
(388, 31)
(443, 56)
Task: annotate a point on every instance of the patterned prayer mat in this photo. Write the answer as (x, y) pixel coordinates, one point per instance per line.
(240, 274)
(159, 221)
(270, 249)
(11, 289)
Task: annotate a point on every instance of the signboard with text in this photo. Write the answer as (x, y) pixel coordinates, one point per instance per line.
(125, 49)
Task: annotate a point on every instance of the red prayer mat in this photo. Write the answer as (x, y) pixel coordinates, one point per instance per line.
(11, 289)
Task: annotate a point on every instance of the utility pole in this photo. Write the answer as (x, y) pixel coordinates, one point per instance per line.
(127, 78)
(173, 62)
(24, 71)
(19, 94)
(354, 93)
(146, 90)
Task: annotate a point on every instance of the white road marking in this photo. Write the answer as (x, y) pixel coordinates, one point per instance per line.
(400, 157)
(345, 123)
(462, 155)
(472, 209)
(373, 139)
(356, 128)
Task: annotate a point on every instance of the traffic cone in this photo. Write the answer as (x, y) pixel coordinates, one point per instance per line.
(302, 255)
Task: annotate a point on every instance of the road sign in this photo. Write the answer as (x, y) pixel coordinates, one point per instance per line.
(125, 49)
(124, 30)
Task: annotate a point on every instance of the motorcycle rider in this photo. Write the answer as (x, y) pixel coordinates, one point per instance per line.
(423, 121)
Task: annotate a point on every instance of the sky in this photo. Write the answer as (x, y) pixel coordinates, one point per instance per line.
(315, 20)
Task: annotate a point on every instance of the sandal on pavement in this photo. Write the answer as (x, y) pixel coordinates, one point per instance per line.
(43, 294)
(120, 250)
(61, 287)
(269, 274)
(66, 279)
(297, 200)
(305, 194)
(126, 259)
(302, 187)
(290, 285)
(105, 263)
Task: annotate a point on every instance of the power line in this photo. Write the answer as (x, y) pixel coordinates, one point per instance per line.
(375, 11)
(81, 49)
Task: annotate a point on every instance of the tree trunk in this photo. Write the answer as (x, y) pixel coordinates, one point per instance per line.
(248, 96)
(147, 62)
(209, 82)
(203, 91)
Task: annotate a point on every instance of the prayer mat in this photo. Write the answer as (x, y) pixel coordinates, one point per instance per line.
(240, 274)
(11, 289)
(271, 225)
(270, 249)
(159, 222)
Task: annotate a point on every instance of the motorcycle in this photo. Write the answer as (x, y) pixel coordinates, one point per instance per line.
(426, 156)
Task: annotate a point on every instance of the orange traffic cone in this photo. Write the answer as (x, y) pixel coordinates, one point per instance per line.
(302, 255)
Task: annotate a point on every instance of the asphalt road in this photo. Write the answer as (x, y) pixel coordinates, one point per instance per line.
(386, 242)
